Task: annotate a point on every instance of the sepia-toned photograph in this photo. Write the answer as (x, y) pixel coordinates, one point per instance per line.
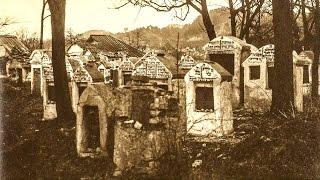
(159, 89)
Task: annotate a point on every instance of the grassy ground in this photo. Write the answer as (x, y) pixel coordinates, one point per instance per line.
(269, 148)
(34, 148)
(262, 147)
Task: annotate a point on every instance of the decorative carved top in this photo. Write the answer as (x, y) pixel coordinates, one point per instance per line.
(220, 45)
(81, 75)
(264, 54)
(152, 67)
(40, 56)
(126, 65)
(186, 62)
(203, 72)
(48, 73)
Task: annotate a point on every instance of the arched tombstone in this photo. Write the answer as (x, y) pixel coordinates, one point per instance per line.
(156, 71)
(82, 77)
(259, 78)
(208, 100)
(230, 52)
(37, 58)
(308, 57)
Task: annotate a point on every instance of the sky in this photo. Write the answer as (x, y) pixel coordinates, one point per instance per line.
(84, 15)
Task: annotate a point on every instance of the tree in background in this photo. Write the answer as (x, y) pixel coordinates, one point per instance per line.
(310, 15)
(282, 92)
(43, 17)
(6, 21)
(316, 49)
(243, 15)
(72, 37)
(30, 40)
(181, 9)
(63, 102)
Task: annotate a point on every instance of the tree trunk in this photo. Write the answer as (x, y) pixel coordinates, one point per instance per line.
(232, 19)
(63, 102)
(315, 65)
(41, 26)
(283, 92)
(207, 21)
(306, 32)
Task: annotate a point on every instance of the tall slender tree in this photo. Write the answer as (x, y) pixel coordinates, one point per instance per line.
(44, 5)
(316, 49)
(283, 92)
(57, 9)
(242, 15)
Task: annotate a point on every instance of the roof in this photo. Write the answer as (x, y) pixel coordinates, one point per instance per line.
(106, 64)
(93, 71)
(75, 64)
(10, 42)
(119, 97)
(108, 43)
(106, 91)
(221, 70)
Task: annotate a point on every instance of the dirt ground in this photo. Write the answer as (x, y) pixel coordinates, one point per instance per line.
(262, 147)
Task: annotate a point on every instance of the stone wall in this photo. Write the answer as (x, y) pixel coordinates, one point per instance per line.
(138, 150)
(133, 143)
(140, 144)
(298, 87)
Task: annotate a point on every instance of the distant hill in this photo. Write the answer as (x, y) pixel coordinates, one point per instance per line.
(87, 34)
(191, 35)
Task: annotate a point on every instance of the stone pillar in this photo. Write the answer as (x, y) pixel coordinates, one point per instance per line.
(115, 78)
(226, 108)
(80, 131)
(138, 149)
(298, 87)
(32, 79)
(74, 95)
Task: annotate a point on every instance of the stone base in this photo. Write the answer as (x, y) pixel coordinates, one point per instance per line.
(49, 112)
(139, 150)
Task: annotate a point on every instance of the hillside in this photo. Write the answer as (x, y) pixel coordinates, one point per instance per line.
(191, 35)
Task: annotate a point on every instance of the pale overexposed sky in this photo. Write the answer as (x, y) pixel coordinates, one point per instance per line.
(84, 15)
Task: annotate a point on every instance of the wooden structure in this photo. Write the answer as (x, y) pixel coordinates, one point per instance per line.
(14, 55)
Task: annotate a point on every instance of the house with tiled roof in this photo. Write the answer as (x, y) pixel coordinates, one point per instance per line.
(8, 42)
(112, 45)
(14, 55)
